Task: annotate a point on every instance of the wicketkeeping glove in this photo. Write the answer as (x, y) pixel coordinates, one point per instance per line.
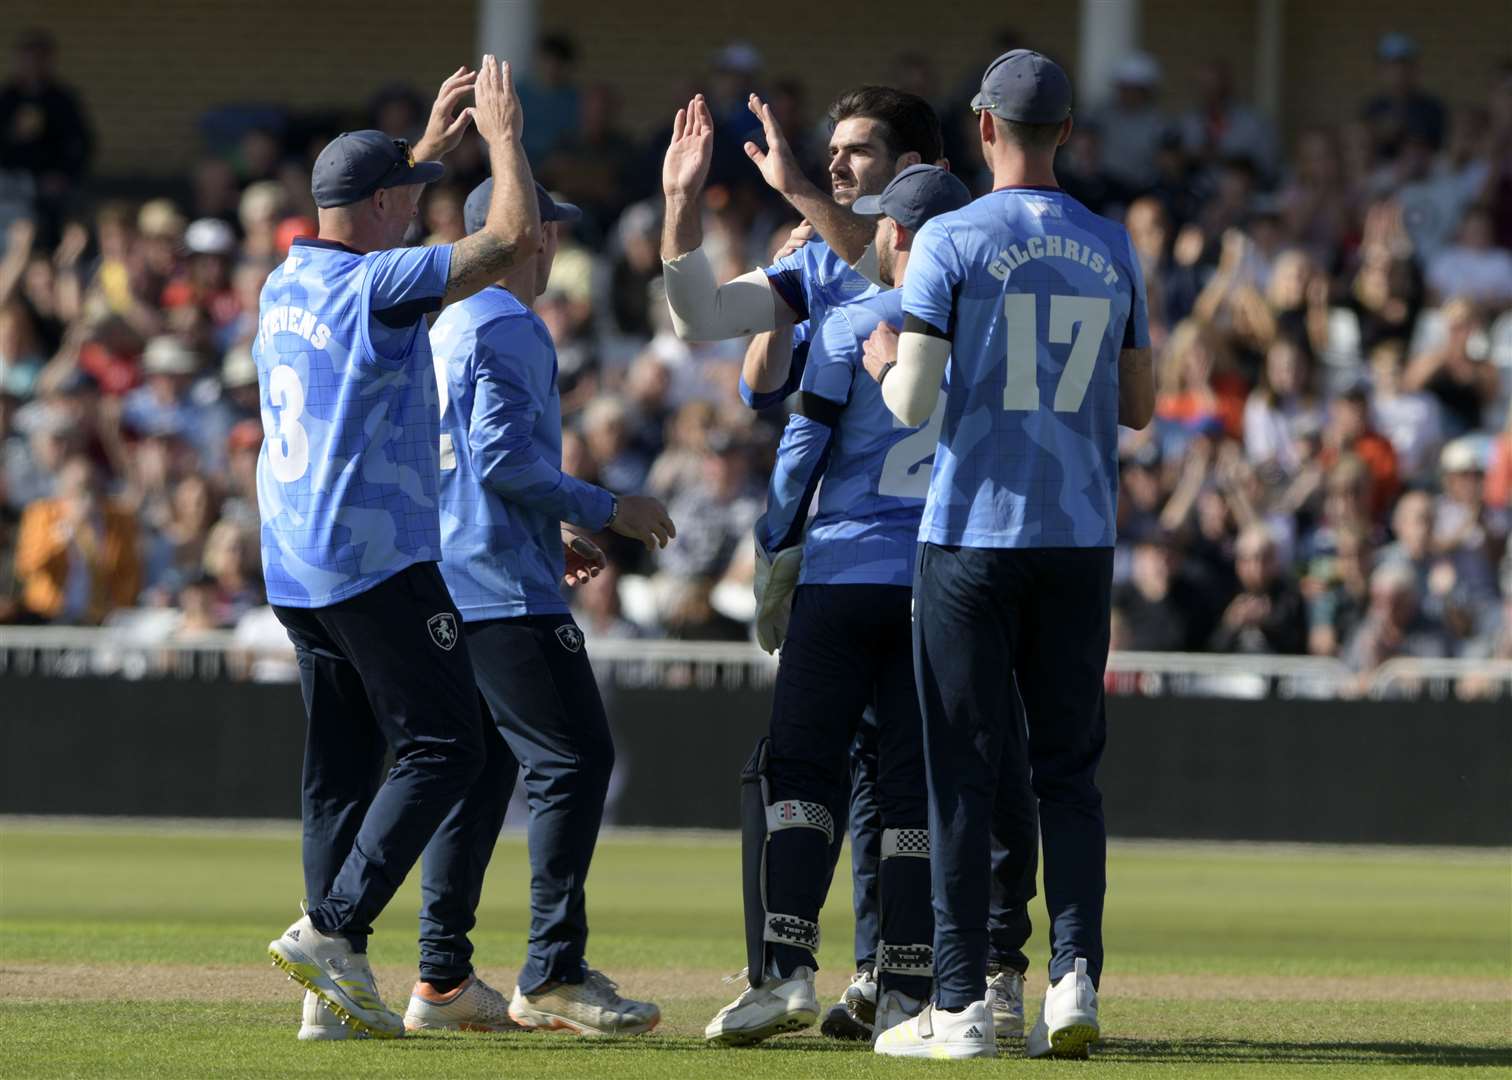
(776, 578)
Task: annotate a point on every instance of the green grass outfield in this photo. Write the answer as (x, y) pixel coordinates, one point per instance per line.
(134, 951)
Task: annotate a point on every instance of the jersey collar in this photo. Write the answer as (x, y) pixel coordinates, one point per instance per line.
(329, 245)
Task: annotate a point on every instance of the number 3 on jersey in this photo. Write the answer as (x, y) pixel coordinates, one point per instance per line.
(1021, 329)
(289, 444)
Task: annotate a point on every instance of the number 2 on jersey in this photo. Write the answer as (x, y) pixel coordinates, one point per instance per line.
(289, 446)
(906, 468)
(1089, 314)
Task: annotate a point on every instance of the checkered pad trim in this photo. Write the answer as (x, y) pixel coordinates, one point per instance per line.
(905, 842)
(795, 814)
(905, 959)
(791, 930)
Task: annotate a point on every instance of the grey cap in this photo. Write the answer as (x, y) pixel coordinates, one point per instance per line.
(357, 163)
(1025, 87)
(475, 209)
(915, 195)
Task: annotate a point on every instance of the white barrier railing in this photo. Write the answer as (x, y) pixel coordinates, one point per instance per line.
(70, 652)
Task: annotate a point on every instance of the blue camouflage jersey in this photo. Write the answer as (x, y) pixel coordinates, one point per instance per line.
(875, 471)
(811, 280)
(503, 492)
(346, 479)
(1038, 295)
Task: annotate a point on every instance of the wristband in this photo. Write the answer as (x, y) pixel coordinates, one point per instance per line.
(885, 369)
(613, 509)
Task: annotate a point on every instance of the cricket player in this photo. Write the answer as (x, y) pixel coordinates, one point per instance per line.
(505, 557)
(351, 528)
(877, 133)
(848, 646)
(1039, 307)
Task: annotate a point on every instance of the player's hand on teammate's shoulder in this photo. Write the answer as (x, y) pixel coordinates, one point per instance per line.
(801, 235)
(447, 123)
(686, 165)
(496, 108)
(643, 518)
(880, 350)
(582, 557)
(779, 166)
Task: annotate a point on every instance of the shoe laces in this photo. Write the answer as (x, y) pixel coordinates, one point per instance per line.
(603, 986)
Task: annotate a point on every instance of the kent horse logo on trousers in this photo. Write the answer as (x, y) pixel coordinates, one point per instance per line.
(443, 630)
(570, 637)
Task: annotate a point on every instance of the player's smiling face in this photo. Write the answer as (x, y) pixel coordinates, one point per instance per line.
(859, 160)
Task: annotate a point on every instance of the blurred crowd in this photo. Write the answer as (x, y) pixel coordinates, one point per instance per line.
(1329, 472)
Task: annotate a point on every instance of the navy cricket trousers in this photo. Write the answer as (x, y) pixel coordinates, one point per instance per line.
(534, 674)
(848, 647)
(386, 669)
(983, 618)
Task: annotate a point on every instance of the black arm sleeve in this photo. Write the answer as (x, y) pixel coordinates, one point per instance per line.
(912, 324)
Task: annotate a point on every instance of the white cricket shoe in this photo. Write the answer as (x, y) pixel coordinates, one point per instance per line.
(779, 1005)
(1005, 997)
(853, 1015)
(591, 1007)
(935, 1033)
(894, 1008)
(340, 977)
(1068, 1021)
(471, 1006)
(320, 1024)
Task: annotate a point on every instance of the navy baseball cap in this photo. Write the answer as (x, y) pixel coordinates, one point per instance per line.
(1025, 87)
(357, 163)
(475, 209)
(915, 195)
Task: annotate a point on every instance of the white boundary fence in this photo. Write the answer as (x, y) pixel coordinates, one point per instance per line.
(72, 652)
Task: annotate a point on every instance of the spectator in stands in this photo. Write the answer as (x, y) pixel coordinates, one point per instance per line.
(1469, 534)
(1268, 615)
(550, 97)
(1154, 618)
(1395, 624)
(725, 503)
(1316, 208)
(163, 405)
(1409, 419)
(1498, 492)
(622, 467)
(263, 206)
(1412, 527)
(1132, 125)
(1283, 407)
(77, 555)
(1401, 108)
(1456, 372)
(1338, 586)
(44, 133)
(1349, 432)
(1473, 267)
(592, 163)
(1221, 127)
(1199, 385)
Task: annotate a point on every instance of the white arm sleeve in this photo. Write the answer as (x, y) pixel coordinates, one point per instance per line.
(705, 311)
(912, 389)
(867, 267)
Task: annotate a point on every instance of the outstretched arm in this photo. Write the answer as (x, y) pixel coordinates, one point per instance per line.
(512, 231)
(848, 234)
(702, 309)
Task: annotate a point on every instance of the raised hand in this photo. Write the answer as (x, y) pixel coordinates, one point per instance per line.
(496, 109)
(447, 124)
(779, 168)
(686, 166)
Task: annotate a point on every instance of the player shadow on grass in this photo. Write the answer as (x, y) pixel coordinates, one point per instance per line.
(1306, 1053)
